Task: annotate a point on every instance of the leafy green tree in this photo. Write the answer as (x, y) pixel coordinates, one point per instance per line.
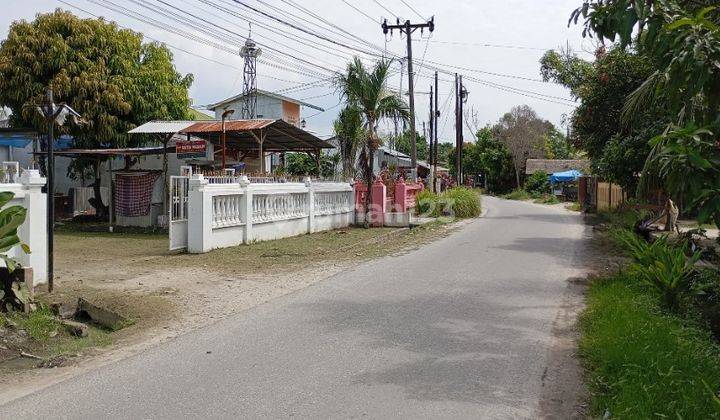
(682, 40)
(557, 145)
(351, 135)
(300, 164)
(105, 73)
(487, 157)
(402, 143)
(367, 90)
(617, 149)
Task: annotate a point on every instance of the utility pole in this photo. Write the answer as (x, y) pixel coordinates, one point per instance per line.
(460, 97)
(52, 113)
(430, 137)
(408, 28)
(436, 117)
(458, 134)
(50, 116)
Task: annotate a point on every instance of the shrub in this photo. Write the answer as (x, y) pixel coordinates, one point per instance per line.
(661, 265)
(538, 182)
(705, 297)
(427, 203)
(643, 363)
(462, 201)
(517, 195)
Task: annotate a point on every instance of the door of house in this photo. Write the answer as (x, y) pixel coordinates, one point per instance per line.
(177, 226)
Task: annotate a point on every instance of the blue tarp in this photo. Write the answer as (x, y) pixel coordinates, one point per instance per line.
(22, 140)
(567, 176)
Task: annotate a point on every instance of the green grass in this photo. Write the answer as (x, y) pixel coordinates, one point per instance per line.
(645, 363)
(518, 194)
(38, 324)
(575, 207)
(547, 199)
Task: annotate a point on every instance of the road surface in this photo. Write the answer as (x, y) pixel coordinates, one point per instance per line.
(460, 328)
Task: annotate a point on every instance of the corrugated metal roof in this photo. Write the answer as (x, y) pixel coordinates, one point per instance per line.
(230, 125)
(161, 127)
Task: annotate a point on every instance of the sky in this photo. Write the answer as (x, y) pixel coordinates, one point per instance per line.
(495, 44)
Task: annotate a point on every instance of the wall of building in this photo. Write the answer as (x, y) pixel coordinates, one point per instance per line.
(267, 107)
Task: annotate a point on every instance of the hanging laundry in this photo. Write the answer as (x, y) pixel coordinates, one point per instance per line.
(133, 193)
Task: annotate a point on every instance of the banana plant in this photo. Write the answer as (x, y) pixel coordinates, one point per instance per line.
(10, 219)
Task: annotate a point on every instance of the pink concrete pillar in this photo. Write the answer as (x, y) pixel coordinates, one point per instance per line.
(401, 189)
(377, 212)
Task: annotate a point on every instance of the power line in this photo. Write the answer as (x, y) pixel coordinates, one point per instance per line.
(372, 19)
(413, 9)
(386, 9)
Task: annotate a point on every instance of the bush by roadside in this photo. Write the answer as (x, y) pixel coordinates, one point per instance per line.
(644, 362)
(459, 202)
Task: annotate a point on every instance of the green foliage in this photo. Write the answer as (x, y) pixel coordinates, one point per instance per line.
(427, 203)
(517, 194)
(463, 202)
(366, 89)
(39, 324)
(10, 219)
(682, 42)
(488, 157)
(299, 164)
(661, 265)
(557, 145)
(642, 362)
(705, 297)
(105, 73)
(351, 136)
(402, 143)
(547, 199)
(458, 202)
(538, 182)
(687, 161)
(617, 150)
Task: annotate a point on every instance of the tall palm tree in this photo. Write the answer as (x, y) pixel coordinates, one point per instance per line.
(367, 90)
(350, 134)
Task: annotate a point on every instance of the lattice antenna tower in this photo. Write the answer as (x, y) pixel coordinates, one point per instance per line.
(250, 52)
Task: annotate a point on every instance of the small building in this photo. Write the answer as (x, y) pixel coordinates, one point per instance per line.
(270, 106)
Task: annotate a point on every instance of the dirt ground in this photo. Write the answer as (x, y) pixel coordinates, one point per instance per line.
(166, 293)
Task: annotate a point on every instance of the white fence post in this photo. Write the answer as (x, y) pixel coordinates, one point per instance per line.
(311, 205)
(34, 231)
(246, 208)
(200, 212)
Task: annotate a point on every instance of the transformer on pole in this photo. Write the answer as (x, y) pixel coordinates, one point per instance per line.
(250, 53)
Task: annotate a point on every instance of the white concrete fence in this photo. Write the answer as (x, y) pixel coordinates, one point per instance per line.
(207, 214)
(28, 194)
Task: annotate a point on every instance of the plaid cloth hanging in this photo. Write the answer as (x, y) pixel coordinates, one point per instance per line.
(133, 193)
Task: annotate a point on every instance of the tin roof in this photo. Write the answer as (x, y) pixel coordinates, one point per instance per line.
(243, 135)
(215, 126)
(161, 127)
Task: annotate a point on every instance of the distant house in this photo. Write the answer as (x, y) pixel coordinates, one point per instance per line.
(269, 106)
(556, 165)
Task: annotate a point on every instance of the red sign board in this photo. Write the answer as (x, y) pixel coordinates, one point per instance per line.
(190, 149)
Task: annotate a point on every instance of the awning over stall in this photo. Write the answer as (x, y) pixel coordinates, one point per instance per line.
(245, 135)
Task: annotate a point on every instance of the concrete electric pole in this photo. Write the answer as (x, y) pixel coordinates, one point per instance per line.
(408, 28)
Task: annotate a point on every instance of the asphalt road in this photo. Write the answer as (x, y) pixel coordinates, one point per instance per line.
(461, 328)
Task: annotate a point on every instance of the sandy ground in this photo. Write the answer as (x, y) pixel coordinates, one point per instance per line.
(169, 294)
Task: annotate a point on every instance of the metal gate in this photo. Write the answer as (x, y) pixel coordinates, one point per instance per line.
(178, 226)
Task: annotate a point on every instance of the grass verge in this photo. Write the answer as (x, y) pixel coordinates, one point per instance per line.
(48, 339)
(645, 363)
